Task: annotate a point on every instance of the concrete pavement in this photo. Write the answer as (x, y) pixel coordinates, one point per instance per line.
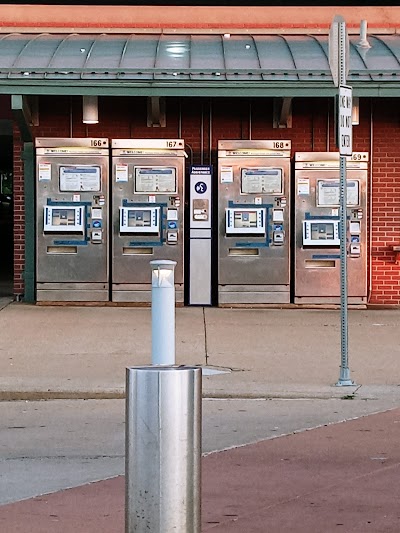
(82, 352)
(339, 477)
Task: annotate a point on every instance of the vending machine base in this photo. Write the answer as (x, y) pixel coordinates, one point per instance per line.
(255, 294)
(72, 292)
(333, 300)
(140, 293)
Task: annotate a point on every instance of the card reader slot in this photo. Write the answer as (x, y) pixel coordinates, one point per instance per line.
(145, 250)
(243, 252)
(319, 263)
(62, 249)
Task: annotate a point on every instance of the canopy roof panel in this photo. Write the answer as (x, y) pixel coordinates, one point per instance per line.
(55, 62)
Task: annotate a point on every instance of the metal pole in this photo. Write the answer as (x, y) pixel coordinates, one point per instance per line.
(344, 376)
(162, 312)
(163, 450)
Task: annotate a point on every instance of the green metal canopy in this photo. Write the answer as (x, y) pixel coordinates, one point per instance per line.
(192, 64)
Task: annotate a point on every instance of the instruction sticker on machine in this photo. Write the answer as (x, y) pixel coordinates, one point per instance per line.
(226, 175)
(44, 173)
(329, 193)
(121, 172)
(155, 180)
(261, 180)
(303, 186)
(82, 178)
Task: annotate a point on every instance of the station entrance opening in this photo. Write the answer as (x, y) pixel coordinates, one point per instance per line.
(6, 209)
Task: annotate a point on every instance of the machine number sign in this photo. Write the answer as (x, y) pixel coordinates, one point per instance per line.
(200, 187)
(97, 142)
(345, 128)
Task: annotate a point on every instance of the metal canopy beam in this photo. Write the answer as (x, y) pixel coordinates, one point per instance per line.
(269, 89)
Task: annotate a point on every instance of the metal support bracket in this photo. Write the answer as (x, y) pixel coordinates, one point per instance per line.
(282, 113)
(24, 115)
(156, 112)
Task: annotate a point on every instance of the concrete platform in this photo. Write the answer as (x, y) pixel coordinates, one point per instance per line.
(82, 352)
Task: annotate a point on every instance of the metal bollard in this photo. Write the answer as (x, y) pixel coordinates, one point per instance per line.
(163, 449)
(162, 312)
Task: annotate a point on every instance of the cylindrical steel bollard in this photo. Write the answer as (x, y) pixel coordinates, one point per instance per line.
(162, 312)
(163, 449)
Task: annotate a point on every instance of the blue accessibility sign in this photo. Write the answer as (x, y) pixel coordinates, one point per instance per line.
(200, 187)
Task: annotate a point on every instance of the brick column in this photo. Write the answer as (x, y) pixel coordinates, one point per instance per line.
(19, 215)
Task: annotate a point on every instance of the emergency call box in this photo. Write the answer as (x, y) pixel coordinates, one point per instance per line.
(65, 219)
(245, 221)
(139, 219)
(321, 233)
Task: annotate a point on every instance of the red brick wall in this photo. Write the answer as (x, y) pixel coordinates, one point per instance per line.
(19, 216)
(386, 202)
(70, 17)
(126, 117)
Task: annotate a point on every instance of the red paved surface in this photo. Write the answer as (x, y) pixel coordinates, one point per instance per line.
(342, 478)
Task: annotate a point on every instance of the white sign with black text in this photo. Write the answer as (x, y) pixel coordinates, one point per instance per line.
(345, 128)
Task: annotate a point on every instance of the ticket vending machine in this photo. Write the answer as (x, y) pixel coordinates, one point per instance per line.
(317, 254)
(254, 232)
(147, 210)
(72, 219)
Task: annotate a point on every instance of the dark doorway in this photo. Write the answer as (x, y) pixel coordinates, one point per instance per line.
(6, 209)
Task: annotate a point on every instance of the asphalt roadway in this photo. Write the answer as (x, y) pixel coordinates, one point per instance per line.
(279, 368)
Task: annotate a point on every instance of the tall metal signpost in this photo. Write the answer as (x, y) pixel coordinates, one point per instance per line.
(339, 63)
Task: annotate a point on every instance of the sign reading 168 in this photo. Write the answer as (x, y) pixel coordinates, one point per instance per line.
(279, 144)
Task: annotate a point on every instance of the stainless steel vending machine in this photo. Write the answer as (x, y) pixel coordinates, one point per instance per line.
(148, 204)
(254, 222)
(317, 198)
(72, 219)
